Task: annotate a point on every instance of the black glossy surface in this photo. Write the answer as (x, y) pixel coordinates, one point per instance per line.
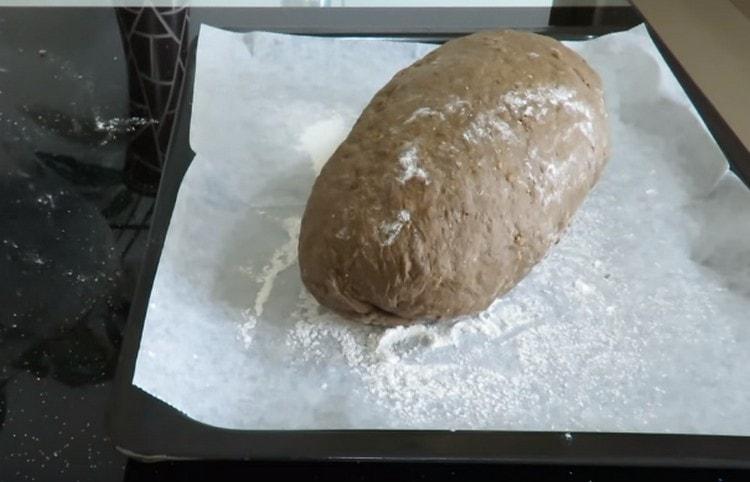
(72, 237)
(67, 269)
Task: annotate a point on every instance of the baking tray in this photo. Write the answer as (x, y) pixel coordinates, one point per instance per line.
(146, 428)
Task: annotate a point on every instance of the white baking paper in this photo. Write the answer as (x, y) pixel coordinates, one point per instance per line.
(639, 320)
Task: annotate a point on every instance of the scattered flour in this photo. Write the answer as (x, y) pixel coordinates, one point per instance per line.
(553, 354)
(409, 160)
(47, 199)
(390, 231)
(393, 365)
(486, 125)
(457, 106)
(342, 233)
(555, 173)
(34, 257)
(118, 125)
(282, 259)
(402, 339)
(424, 112)
(536, 103)
(247, 328)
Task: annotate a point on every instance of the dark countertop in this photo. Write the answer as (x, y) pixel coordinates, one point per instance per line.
(72, 236)
(67, 275)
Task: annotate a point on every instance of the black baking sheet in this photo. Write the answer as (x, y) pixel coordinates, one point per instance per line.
(146, 428)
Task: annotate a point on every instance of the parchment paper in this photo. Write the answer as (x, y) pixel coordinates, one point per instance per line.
(637, 321)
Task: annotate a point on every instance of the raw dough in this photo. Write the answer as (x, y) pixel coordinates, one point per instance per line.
(456, 179)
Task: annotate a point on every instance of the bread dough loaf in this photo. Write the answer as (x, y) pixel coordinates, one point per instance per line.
(456, 179)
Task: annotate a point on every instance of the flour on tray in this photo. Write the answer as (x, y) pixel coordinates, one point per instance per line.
(284, 257)
(422, 374)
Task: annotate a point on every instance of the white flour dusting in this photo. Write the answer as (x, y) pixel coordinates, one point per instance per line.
(409, 160)
(117, 124)
(390, 231)
(487, 125)
(47, 199)
(282, 259)
(554, 173)
(424, 374)
(342, 233)
(320, 139)
(536, 103)
(424, 112)
(247, 328)
(457, 106)
(395, 367)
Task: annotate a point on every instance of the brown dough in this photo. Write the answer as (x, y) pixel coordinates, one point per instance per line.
(456, 179)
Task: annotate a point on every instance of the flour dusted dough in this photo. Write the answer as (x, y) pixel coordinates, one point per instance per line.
(456, 179)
